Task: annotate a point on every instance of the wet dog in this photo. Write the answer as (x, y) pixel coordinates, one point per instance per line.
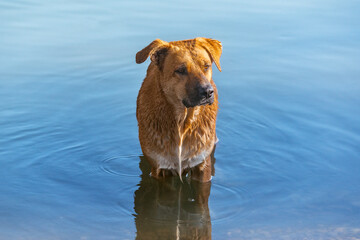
(177, 106)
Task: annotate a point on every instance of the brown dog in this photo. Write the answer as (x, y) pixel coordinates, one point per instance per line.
(177, 106)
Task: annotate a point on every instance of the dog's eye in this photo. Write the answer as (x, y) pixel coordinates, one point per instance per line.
(206, 67)
(181, 70)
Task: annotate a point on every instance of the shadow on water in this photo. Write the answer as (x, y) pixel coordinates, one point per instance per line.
(171, 209)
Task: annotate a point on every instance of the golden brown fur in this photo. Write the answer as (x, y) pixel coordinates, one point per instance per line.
(176, 122)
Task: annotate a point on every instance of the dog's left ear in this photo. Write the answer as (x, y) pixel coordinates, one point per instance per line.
(213, 47)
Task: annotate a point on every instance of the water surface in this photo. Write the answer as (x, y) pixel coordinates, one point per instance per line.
(288, 161)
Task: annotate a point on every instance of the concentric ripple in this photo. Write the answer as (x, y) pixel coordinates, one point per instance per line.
(126, 166)
(227, 202)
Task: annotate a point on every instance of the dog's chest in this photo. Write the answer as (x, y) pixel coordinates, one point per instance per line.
(194, 153)
(188, 151)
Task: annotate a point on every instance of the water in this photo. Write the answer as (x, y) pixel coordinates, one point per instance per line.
(288, 161)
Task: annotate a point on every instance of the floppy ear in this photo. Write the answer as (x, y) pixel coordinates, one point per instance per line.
(156, 50)
(213, 47)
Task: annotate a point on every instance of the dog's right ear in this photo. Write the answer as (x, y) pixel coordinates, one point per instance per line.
(156, 50)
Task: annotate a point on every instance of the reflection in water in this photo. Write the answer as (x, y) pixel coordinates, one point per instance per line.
(171, 209)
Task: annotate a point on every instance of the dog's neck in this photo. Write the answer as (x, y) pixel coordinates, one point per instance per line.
(186, 117)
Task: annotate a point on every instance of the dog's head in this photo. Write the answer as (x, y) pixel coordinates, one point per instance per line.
(185, 68)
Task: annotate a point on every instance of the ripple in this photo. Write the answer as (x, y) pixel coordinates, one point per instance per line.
(125, 166)
(227, 202)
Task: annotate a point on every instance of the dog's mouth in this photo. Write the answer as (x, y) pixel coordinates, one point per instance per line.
(204, 101)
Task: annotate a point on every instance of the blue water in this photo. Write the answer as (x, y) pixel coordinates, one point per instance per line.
(288, 162)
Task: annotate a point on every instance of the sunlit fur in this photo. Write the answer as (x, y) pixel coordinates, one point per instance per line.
(172, 137)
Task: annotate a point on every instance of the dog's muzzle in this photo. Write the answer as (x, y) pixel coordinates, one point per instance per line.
(203, 96)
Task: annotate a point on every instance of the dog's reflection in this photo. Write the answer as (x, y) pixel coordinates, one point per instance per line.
(171, 209)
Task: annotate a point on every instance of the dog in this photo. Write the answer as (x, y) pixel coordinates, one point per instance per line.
(177, 106)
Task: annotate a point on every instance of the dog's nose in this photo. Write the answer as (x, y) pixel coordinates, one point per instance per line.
(210, 92)
(207, 91)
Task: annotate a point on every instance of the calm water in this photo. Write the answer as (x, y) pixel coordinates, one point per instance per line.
(288, 161)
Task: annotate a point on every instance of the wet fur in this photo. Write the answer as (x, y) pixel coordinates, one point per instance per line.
(176, 139)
